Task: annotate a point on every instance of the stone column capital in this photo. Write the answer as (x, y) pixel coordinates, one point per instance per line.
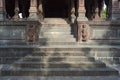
(81, 11)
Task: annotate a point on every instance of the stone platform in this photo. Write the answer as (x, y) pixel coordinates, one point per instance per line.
(56, 53)
(60, 78)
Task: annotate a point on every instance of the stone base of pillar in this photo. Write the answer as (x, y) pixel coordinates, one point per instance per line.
(81, 17)
(2, 16)
(116, 16)
(33, 13)
(33, 16)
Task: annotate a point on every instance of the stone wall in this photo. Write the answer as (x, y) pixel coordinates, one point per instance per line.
(105, 30)
(115, 10)
(106, 35)
(14, 35)
(17, 31)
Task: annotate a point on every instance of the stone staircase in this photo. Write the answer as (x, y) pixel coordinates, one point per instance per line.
(56, 32)
(58, 62)
(57, 54)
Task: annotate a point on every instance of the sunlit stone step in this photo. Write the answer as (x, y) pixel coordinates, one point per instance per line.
(64, 64)
(60, 72)
(51, 58)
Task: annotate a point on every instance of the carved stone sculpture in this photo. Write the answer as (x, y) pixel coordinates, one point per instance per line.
(32, 34)
(82, 32)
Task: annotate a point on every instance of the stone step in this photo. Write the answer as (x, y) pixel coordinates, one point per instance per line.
(56, 36)
(19, 43)
(58, 53)
(20, 53)
(43, 49)
(54, 48)
(57, 39)
(101, 42)
(55, 21)
(52, 58)
(58, 48)
(42, 30)
(76, 48)
(56, 43)
(65, 64)
(56, 27)
(55, 33)
(61, 48)
(60, 72)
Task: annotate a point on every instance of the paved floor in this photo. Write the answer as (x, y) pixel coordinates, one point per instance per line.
(63, 77)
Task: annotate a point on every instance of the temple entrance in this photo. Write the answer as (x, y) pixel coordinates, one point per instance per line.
(56, 8)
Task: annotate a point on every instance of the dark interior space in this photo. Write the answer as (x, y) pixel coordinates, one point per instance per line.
(55, 8)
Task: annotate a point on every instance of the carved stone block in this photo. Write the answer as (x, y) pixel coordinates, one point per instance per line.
(82, 32)
(32, 33)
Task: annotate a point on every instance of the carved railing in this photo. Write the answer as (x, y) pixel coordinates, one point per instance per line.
(82, 32)
(34, 10)
(32, 33)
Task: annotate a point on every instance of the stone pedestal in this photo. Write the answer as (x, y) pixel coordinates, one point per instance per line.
(81, 22)
(33, 10)
(115, 10)
(81, 11)
(2, 10)
(18, 31)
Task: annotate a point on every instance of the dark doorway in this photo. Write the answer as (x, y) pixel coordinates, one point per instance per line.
(56, 8)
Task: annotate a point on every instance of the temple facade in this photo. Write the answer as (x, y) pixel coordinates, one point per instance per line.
(59, 9)
(59, 37)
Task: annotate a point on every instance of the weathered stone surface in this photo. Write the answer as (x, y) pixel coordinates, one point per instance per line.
(1, 16)
(104, 34)
(12, 32)
(115, 10)
(60, 78)
(104, 30)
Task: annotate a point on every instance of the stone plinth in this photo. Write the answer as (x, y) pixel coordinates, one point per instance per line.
(104, 30)
(115, 10)
(12, 30)
(82, 31)
(33, 10)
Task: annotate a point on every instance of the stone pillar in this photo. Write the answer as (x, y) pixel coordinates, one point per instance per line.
(40, 10)
(82, 35)
(115, 10)
(81, 11)
(97, 17)
(2, 10)
(73, 17)
(16, 16)
(33, 10)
